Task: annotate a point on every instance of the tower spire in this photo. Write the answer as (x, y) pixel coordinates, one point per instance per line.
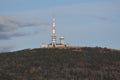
(53, 32)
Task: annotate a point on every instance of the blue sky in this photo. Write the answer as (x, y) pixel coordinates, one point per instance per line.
(27, 23)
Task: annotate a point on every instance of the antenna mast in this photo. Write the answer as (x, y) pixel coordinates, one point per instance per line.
(53, 32)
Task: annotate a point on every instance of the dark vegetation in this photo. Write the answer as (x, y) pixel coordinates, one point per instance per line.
(61, 64)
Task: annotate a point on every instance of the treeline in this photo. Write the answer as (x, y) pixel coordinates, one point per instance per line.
(83, 63)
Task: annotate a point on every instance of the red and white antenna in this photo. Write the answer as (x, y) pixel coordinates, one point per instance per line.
(53, 32)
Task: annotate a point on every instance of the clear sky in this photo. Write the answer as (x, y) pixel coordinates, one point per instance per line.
(27, 23)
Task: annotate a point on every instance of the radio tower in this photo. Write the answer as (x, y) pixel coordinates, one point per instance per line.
(53, 33)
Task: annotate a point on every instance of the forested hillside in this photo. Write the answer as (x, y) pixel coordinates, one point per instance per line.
(83, 63)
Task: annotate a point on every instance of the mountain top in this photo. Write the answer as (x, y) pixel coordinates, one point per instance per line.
(77, 63)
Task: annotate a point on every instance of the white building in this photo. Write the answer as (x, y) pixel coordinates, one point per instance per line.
(53, 43)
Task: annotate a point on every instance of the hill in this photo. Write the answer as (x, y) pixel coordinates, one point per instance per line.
(83, 63)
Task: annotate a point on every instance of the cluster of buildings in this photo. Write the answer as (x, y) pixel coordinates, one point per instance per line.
(53, 43)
